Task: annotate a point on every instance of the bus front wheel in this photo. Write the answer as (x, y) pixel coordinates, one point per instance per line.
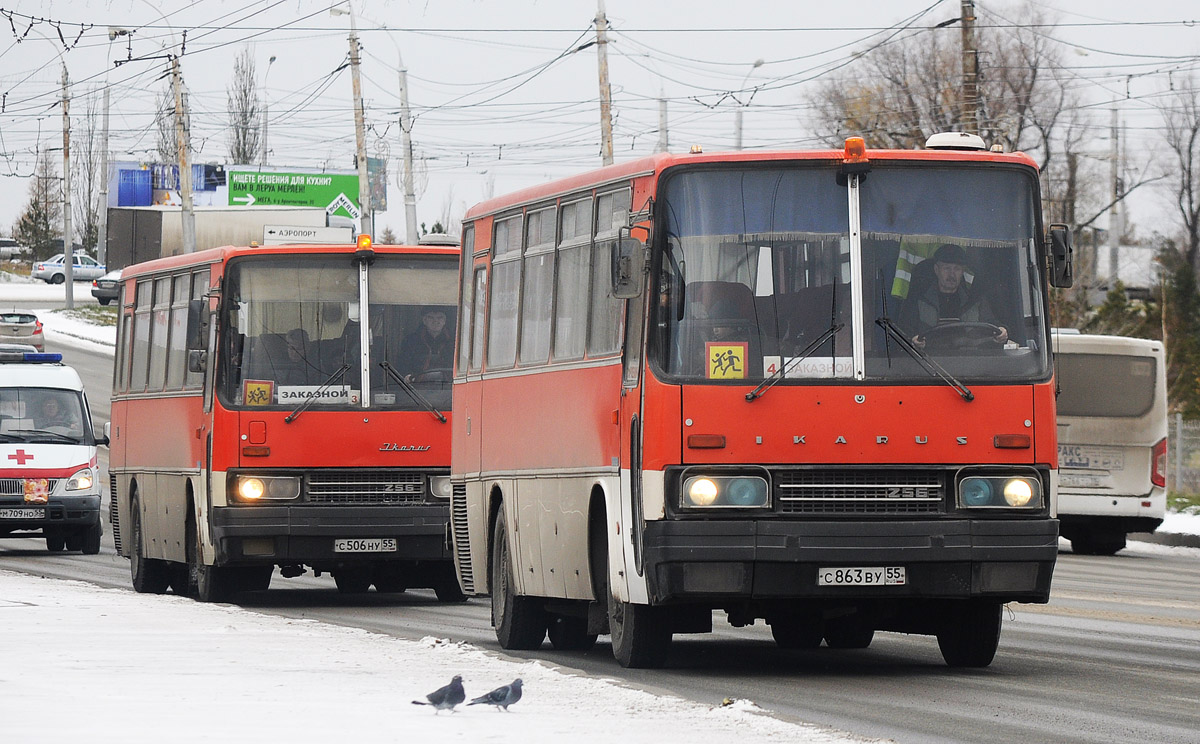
(641, 635)
(520, 622)
(971, 634)
(206, 583)
(149, 576)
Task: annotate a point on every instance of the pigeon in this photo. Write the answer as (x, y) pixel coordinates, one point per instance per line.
(445, 698)
(501, 697)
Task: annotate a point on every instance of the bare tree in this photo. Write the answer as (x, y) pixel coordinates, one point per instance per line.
(164, 124)
(1181, 115)
(85, 176)
(245, 111)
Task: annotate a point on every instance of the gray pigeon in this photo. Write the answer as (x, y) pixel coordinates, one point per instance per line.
(501, 697)
(445, 698)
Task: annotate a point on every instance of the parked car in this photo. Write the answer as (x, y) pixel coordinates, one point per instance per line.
(108, 287)
(19, 327)
(52, 271)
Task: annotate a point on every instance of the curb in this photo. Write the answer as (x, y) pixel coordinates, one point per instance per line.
(1173, 539)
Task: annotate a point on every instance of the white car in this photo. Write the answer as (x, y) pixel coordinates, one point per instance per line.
(52, 271)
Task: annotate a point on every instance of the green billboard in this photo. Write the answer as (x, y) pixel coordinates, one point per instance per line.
(336, 193)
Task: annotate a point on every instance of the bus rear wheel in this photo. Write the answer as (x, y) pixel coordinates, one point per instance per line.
(149, 576)
(971, 634)
(797, 631)
(352, 580)
(848, 634)
(520, 622)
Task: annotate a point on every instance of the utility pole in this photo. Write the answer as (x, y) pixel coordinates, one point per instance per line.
(970, 66)
(102, 228)
(410, 196)
(1114, 216)
(183, 145)
(262, 160)
(364, 188)
(606, 144)
(68, 243)
(663, 139)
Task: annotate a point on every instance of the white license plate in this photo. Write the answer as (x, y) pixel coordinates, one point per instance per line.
(365, 545)
(861, 576)
(22, 513)
(1079, 457)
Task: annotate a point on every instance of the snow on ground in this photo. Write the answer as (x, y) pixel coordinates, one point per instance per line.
(84, 663)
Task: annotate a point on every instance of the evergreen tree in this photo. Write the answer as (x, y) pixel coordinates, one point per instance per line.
(41, 221)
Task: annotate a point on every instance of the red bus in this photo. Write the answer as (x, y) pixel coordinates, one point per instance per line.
(782, 420)
(285, 406)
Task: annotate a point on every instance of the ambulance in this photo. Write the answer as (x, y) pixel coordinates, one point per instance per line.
(49, 472)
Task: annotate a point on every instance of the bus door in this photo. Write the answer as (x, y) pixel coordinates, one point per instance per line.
(630, 442)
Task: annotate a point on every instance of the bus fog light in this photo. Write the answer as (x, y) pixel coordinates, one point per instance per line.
(1018, 492)
(701, 491)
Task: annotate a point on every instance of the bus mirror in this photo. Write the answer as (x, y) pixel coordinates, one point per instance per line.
(628, 268)
(1061, 272)
(197, 326)
(197, 361)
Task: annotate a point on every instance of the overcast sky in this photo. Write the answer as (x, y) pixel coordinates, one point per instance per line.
(500, 98)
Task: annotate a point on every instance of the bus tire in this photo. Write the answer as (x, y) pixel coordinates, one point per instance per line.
(148, 575)
(206, 583)
(448, 591)
(641, 637)
(520, 622)
(797, 631)
(90, 544)
(569, 633)
(972, 634)
(1107, 543)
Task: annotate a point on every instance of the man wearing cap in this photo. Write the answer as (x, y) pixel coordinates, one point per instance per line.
(947, 299)
(431, 346)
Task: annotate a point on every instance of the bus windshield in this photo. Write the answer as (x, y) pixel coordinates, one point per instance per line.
(755, 276)
(292, 332)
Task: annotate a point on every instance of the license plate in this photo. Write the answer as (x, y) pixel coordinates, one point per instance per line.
(1090, 458)
(861, 576)
(22, 513)
(365, 545)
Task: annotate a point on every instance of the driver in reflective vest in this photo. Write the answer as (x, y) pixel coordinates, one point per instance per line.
(947, 299)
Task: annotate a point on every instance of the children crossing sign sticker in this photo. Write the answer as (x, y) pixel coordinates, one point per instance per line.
(726, 360)
(336, 193)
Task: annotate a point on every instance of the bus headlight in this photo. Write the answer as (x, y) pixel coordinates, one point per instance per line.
(254, 488)
(439, 486)
(82, 480)
(730, 492)
(1021, 492)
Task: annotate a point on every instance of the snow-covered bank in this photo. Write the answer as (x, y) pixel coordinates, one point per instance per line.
(82, 663)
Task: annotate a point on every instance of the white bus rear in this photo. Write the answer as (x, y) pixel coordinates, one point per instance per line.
(1112, 439)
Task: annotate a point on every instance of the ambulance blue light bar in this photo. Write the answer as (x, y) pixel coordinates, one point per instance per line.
(30, 357)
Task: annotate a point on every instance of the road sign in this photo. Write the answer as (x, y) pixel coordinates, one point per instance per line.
(336, 193)
(289, 234)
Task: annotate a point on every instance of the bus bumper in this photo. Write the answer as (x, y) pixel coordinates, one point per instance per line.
(306, 534)
(1005, 560)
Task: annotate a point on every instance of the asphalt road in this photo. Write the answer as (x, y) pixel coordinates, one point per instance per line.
(1114, 657)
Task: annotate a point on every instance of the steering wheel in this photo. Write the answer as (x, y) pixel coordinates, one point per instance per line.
(962, 335)
(437, 374)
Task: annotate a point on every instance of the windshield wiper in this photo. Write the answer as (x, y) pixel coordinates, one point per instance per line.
(407, 387)
(781, 373)
(337, 375)
(929, 363)
(41, 435)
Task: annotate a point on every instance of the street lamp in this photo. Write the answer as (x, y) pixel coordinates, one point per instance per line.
(266, 111)
(737, 122)
(406, 124)
(102, 227)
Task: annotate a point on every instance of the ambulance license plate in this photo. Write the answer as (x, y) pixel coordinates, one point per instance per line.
(22, 513)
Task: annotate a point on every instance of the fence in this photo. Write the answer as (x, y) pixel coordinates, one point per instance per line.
(1183, 455)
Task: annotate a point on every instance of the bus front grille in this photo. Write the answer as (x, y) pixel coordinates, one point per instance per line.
(366, 487)
(853, 492)
(462, 544)
(16, 486)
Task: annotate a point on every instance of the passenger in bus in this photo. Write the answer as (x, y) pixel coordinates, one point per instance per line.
(947, 299)
(430, 347)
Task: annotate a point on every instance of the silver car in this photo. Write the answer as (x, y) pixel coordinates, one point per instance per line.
(52, 271)
(19, 327)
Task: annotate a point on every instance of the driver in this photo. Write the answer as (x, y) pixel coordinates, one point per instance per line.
(948, 299)
(429, 347)
(53, 414)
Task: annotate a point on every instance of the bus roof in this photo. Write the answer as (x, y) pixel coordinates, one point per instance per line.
(661, 161)
(224, 253)
(1090, 343)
